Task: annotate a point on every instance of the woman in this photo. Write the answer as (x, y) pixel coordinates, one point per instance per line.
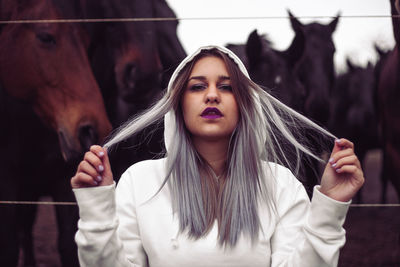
(221, 197)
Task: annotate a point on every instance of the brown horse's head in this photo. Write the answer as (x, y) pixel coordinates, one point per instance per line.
(46, 65)
(131, 60)
(124, 56)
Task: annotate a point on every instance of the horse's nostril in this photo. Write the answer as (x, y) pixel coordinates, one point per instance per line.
(87, 136)
(130, 75)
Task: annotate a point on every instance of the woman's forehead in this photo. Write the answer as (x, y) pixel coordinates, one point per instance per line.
(209, 66)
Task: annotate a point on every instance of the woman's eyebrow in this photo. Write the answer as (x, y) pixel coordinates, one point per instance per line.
(220, 78)
(201, 78)
(223, 78)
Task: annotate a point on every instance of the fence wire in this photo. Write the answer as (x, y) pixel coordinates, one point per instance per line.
(101, 20)
(74, 204)
(159, 19)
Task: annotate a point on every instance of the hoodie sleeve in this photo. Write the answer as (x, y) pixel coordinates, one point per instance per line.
(108, 233)
(307, 234)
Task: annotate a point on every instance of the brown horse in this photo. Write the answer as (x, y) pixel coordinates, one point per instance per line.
(389, 108)
(46, 64)
(132, 62)
(51, 111)
(129, 58)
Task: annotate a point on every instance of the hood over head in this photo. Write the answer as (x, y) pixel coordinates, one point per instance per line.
(169, 120)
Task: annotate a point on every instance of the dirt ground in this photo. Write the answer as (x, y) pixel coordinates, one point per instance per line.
(373, 233)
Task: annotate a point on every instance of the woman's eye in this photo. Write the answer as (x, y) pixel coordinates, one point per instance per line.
(225, 87)
(197, 87)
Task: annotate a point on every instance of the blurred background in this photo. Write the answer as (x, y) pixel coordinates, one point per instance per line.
(363, 23)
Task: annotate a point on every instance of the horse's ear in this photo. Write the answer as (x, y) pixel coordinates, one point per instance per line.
(395, 20)
(350, 64)
(169, 47)
(253, 49)
(379, 50)
(334, 22)
(296, 50)
(294, 22)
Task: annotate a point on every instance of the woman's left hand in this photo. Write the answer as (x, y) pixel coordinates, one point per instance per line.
(343, 176)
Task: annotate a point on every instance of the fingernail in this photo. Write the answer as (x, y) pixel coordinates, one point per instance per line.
(95, 183)
(101, 168)
(333, 165)
(101, 153)
(98, 178)
(338, 170)
(338, 141)
(331, 160)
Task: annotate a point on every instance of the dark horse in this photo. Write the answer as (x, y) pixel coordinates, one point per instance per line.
(353, 112)
(274, 69)
(388, 92)
(316, 68)
(317, 73)
(277, 72)
(132, 62)
(51, 112)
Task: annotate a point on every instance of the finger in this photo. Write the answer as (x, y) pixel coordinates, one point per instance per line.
(335, 156)
(344, 143)
(343, 153)
(95, 161)
(98, 150)
(349, 160)
(106, 163)
(101, 153)
(89, 169)
(336, 147)
(349, 169)
(82, 179)
(341, 144)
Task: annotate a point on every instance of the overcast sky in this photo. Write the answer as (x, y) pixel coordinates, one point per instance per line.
(354, 37)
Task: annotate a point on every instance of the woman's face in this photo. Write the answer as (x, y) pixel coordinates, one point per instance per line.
(209, 107)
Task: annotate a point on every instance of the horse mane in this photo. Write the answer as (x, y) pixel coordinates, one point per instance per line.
(25, 9)
(394, 10)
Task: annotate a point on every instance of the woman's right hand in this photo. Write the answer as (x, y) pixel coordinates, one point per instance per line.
(93, 170)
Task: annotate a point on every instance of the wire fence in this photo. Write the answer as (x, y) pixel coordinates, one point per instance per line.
(102, 20)
(159, 19)
(74, 204)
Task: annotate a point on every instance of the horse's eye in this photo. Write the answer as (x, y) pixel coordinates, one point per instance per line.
(46, 38)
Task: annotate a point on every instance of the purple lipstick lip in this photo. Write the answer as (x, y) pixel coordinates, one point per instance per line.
(211, 113)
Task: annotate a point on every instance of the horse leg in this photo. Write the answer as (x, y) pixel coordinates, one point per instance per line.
(67, 217)
(8, 237)
(362, 155)
(8, 232)
(393, 168)
(384, 179)
(67, 220)
(8, 228)
(26, 221)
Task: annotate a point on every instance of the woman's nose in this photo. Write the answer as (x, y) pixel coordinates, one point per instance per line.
(212, 94)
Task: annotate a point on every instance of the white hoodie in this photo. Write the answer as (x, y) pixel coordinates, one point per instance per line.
(133, 226)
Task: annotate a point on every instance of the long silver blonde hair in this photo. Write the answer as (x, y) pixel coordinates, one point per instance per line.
(267, 131)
